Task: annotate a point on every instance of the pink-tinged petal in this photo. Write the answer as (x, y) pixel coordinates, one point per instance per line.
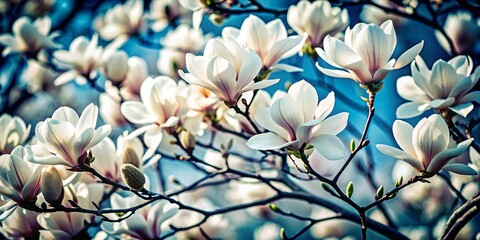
(336, 73)
(265, 121)
(442, 103)
(462, 109)
(136, 112)
(223, 76)
(267, 141)
(407, 89)
(83, 140)
(401, 155)
(32, 188)
(250, 68)
(66, 114)
(402, 131)
(470, 97)
(99, 134)
(306, 97)
(329, 146)
(283, 49)
(286, 113)
(88, 118)
(65, 77)
(260, 85)
(442, 158)
(460, 169)
(137, 224)
(254, 33)
(18, 172)
(325, 106)
(408, 56)
(332, 125)
(411, 109)
(171, 121)
(276, 31)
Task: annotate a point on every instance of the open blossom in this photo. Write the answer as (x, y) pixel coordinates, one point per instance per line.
(83, 57)
(65, 225)
(426, 147)
(28, 37)
(176, 44)
(318, 19)
(160, 109)
(146, 223)
(297, 119)
(463, 30)
(365, 54)
(123, 20)
(270, 41)
(22, 224)
(164, 12)
(14, 132)
(226, 69)
(19, 179)
(446, 86)
(65, 138)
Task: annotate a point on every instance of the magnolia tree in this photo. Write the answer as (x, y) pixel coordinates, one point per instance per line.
(239, 119)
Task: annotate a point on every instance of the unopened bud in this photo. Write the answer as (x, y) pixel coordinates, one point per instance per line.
(130, 156)
(187, 140)
(115, 65)
(133, 177)
(52, 186)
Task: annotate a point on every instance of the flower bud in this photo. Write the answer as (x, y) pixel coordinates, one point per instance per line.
(115, 66)
(129, 156)
(133, 177)
(52, 186)
(187, 140)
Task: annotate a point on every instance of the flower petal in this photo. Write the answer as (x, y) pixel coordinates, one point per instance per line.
(329, 146)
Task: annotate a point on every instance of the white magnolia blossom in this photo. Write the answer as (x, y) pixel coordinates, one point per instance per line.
(176, 44)
(226, 69)
(19, 179)
(123, 20)
(426, 147)
(65, 225)
(160, 109)
(22, 224)
(83, 57)
(446, 86)
(164, 12)
(463, 29)
(297, 119)
(14, 132)
(115, 66)
(28, 37)
(318, 19)
(65, 138)
(365, 54)
(270, 41)
(146, 223)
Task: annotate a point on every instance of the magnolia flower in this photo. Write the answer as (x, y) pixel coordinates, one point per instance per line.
(22, 224)
(365, 54)
(226, 69)
(146, 223)
(297, 119)
(38, 77)
(446, 86)
(123, 20)
(176, 44)
(19, 179)
(164, 12)
(65, 225)
(269, 41)
(159, 109)
(463, 30)
(115, 66)
(137, 73)
(425, 147)
(27, 37)
(65, 138)
(317, 19)
(14, 132)
(83, 57)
